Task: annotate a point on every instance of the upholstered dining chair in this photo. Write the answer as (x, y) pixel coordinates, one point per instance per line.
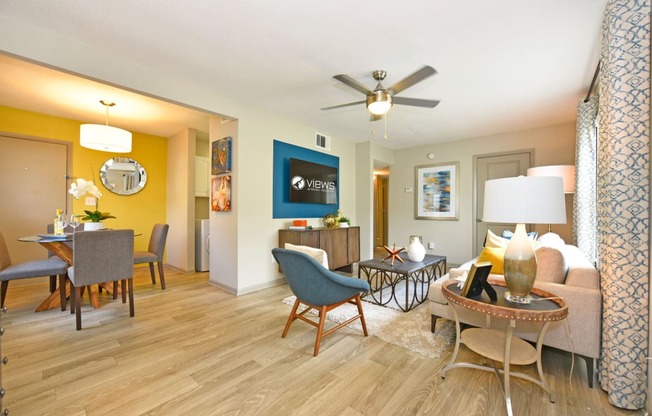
(50, 230)
(319, 289)
(99, 257)
(154, 252)
(53, 266)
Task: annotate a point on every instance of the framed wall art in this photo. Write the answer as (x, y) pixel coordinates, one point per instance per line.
(221, 193)
(221, 156)
(436, 192)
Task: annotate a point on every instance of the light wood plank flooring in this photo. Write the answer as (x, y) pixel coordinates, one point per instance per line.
(194, 349)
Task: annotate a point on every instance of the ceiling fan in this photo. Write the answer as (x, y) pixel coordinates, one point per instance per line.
(380, 100)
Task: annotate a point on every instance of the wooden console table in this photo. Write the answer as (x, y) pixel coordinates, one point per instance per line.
(342, 245)
(501, 346)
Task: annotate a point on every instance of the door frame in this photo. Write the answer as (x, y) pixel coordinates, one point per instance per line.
(474, 204)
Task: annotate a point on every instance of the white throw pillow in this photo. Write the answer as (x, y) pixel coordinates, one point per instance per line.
(551, 240)
(316, 253)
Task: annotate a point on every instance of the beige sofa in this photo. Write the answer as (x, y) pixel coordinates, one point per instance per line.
(562, 270)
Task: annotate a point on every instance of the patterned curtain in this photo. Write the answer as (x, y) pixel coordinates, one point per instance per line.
(584, 211)
(623, 200)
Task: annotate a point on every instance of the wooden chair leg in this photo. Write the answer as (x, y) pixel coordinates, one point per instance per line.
(73, 298)
(160, 274)
(3, 292)
(123, 284)
(151, 272)
(62, 291)
(53, 283)
(291, 318)
(78, 308)
(358, 303)
(131, 296)
(320, 329)
(433, 323)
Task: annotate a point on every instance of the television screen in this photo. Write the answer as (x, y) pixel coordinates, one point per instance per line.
(312, 183)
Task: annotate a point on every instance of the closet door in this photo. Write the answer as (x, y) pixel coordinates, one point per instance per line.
(32, 185)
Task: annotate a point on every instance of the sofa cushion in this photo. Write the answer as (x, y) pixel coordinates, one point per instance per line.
(495, 256)
(493, 240)
(551, 265)
(316, 253)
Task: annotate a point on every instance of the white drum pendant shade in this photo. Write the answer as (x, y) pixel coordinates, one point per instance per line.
(105, 138)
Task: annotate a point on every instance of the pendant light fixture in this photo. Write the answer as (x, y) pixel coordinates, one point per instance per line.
(104, 137)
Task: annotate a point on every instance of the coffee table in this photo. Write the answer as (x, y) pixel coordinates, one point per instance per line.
(385, 279)
(499, 345)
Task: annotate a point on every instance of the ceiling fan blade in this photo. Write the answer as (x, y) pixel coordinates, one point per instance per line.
(417, 102)
(410, 80)
(343, 105)
(352, 83)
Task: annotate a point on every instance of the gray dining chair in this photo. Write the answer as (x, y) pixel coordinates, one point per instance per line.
(100, 257)
(50, 230)
(53, 266)
(154, 252)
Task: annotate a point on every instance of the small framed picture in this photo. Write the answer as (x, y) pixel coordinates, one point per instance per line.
(221, 193)
(436, 192)
(221, 156)
(476, 281)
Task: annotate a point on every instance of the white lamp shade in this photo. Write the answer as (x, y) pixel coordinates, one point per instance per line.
(525, 200)
(105, 138)
(567, 172)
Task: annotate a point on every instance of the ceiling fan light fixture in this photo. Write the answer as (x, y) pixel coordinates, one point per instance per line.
(104, 137)
(379, 102)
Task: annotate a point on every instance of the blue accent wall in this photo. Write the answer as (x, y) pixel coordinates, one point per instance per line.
(282, 207)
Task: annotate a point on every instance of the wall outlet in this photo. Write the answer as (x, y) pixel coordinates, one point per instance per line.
(431, 245)
(90, 200)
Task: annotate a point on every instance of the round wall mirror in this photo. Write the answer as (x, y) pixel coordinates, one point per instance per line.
(123, 176)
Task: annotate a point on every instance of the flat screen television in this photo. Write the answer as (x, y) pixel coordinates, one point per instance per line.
(312, 183)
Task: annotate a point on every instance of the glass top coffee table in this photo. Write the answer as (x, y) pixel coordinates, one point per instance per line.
(388, 282)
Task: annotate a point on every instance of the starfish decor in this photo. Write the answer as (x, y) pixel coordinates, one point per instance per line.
(393, 254)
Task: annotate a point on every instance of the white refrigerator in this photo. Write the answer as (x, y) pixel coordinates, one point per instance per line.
(202, 245)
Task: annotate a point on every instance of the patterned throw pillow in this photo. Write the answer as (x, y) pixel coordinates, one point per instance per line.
(531, 235)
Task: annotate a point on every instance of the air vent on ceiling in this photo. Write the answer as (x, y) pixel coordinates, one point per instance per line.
(322, 141)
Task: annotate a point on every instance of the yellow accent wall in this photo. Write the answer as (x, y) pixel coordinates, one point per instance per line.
(140, 211)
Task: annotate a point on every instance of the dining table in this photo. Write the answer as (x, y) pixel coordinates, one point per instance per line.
(61, 246)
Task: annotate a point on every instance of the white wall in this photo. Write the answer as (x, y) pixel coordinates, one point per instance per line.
(554, 145)
(180, 201)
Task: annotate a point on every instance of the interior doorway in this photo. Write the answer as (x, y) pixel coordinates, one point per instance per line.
(381, 201)
(494, 166)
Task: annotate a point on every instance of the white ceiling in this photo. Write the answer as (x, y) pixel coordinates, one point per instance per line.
(503, 65)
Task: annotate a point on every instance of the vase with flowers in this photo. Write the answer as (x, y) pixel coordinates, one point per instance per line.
(81, 188)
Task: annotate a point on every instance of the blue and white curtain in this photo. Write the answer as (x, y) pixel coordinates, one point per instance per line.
(623, 206)
(585, 229)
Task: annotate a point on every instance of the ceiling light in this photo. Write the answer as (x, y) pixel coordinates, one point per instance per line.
(379, 102)
(103, 137)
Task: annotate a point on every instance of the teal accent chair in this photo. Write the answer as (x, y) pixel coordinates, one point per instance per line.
(319, 289)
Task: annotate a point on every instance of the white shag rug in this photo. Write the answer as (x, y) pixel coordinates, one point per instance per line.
(410, 330)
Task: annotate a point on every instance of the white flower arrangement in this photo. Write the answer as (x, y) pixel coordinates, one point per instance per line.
(83, 187)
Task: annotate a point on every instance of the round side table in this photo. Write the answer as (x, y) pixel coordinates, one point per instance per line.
(499, 345)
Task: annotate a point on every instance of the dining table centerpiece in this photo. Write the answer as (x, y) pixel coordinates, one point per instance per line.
(81, 188)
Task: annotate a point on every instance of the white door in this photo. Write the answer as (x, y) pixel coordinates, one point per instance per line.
(33, 185)
(494, 167)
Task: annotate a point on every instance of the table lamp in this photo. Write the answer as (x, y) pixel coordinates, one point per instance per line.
(523, 200)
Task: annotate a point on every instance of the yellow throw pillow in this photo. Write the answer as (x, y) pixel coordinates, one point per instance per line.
(495, 256)
(494, 240)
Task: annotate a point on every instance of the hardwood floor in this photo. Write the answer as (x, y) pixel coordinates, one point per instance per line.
(194, 349)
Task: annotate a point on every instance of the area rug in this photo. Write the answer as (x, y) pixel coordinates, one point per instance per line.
(410, 330)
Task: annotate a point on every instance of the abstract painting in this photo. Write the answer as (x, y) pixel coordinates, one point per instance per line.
(436, 192)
